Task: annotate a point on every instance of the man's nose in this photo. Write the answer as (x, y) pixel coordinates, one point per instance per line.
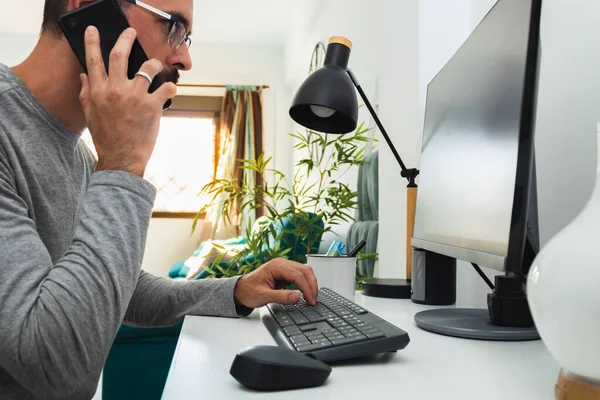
(182, 59)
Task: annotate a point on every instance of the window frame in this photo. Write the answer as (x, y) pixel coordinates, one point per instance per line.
(195, 107)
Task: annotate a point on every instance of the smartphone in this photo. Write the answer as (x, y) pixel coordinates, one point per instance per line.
(107, 17)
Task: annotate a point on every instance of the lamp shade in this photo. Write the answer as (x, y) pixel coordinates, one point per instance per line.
(327, 101)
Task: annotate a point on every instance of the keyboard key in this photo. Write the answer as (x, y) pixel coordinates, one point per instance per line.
(314, 346)
(375, 335)
(292, 330)
(312, 335)
(308, 328)
(286, 322)
(314, 317)
(320, 340)
(370, 330)
(301, 321)
(336, 337)
(298, 338)
(320, 309)
(306, 343)
(353, 334)
(353, 339)
(282, 315)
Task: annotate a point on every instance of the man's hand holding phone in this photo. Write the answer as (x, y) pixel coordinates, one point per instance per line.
(123, 118)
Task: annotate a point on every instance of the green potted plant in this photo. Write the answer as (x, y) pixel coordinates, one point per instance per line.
(297, 212)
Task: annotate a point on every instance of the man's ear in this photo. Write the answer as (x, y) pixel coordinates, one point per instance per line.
(73, 4)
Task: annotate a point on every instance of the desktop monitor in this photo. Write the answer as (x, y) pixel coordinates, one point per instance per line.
(477, 197)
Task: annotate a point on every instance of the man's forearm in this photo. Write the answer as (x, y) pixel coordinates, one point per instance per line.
(163, 302)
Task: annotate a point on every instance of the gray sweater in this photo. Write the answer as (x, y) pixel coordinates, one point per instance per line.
(71, 247)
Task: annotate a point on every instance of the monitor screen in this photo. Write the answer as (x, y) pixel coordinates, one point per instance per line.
(470, 150)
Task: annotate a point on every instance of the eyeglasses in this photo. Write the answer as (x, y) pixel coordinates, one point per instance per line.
(176, 26)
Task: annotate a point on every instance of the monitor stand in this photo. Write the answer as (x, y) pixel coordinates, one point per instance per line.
(507, 318)
(471, 323)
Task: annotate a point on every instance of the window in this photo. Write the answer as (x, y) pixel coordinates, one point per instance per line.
(183, 158)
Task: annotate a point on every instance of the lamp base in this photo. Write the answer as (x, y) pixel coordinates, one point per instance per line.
(570, 388)
(470, 323)
(388, 288)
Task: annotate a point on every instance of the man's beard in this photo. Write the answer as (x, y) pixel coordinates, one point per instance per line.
(165, 76)
(169, 76)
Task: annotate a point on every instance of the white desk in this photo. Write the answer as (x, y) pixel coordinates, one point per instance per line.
(430, 367)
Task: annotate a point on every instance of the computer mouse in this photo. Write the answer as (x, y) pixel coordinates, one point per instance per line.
(277, 368)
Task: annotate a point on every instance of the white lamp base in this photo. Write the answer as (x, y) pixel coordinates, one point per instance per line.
(570, 387)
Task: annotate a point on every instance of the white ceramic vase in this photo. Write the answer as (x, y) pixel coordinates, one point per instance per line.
(563, 290)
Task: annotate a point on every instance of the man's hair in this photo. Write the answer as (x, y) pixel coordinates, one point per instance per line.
(55, 8)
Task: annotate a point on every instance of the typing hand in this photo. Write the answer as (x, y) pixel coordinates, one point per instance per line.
(123, 118)
(260, 287)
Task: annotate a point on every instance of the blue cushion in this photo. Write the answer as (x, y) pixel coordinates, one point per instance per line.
(175, 271)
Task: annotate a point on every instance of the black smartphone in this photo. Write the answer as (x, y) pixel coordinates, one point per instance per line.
(107, 17)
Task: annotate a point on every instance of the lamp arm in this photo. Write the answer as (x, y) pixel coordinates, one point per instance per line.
(409, 174)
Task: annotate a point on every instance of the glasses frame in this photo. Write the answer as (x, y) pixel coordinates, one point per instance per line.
(176, 20)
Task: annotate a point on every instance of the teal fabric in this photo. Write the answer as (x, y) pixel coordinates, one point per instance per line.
(175, 270)
(366, 225)
(138, 363)
(368, 189)
(299, 247)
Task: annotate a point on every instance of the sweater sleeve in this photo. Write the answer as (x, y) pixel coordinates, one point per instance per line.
(58, 320)
(160, 301)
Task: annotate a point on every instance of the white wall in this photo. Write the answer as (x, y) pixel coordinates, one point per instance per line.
(169, 241)
(397, 65)
(478, 9)
(568, 110)
(443, 27)
(14, 48)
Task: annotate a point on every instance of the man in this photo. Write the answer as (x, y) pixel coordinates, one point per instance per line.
(72, 231)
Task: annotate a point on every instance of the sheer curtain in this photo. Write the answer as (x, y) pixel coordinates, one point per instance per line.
(240, 137)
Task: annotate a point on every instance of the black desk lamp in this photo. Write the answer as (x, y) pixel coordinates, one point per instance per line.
(326, 102)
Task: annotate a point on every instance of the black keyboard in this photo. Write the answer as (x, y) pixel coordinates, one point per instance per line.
(333, 330)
